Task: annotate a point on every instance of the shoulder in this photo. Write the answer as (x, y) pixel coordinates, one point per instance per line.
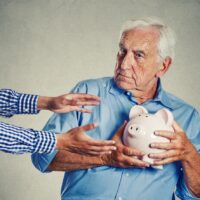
(93, 86)
(180, 104)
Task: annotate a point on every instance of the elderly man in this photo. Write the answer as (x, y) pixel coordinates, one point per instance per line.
(145, 54)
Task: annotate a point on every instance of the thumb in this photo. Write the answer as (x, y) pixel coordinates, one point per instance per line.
(176, 127)
(120, 131)
(88, 127)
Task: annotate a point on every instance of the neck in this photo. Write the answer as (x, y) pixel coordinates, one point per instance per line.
(143, 95)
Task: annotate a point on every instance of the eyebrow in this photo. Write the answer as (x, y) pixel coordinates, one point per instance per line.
(139, 51)
(134, 51)
(121, 46)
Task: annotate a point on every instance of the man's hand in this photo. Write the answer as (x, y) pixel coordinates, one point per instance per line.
(76, 141)
(179, 147)
(124, 156)
(68, 102)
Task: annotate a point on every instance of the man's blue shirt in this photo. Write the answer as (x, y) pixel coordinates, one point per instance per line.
(110, 183)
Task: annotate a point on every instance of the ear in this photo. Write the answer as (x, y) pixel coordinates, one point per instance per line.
(136, 110)
(164, 67)
(166, 115)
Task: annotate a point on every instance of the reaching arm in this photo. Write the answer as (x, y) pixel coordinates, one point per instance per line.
(18, 140)
(12, 103)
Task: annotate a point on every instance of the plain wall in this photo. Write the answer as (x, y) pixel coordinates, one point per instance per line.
(47, 46)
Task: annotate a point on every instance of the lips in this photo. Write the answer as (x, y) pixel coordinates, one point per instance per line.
(124, 75)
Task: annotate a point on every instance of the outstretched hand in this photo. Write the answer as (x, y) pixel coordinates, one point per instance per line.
(77, 141)
(68, 102)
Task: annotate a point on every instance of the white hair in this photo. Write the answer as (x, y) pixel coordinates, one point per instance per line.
(167, 39)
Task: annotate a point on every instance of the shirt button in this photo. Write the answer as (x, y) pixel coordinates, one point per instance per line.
(127, 174)
(120, 198)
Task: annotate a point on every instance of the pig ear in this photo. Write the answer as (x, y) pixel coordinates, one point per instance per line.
(136, 110)
(166, 115)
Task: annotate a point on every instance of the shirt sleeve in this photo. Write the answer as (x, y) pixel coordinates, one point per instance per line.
(18, 140)
(182, 190)
(12, 103)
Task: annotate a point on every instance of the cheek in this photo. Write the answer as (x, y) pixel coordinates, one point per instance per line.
(118, 63)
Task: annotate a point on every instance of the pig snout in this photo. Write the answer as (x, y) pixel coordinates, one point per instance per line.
(135, 129)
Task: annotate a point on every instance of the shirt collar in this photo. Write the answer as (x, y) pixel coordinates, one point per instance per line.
(162, 96)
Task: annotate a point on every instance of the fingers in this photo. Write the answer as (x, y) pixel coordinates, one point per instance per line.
(132, 152)
(93, 150)
(176, 127)
(164, 155)
(132, 162)
(97, 148)
(167, 134)
(79, 109)
(165, 161)
(87, 127)
(164, 145)
(81, 96)
(93, 142)
(82, 99)
(120, 131)
(85, 103)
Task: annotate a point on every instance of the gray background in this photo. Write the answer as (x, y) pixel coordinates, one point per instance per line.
(46, 46)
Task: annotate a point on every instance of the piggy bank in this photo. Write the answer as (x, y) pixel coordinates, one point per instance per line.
(139, 131)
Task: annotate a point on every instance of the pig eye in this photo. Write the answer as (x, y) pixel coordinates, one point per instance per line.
(146, 115)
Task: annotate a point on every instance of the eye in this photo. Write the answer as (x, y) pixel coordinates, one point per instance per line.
(139, 55)
(122, 51)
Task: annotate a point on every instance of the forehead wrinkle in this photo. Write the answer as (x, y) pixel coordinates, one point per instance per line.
(140, 39)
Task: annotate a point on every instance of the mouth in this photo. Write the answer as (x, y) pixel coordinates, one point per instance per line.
(123, 75)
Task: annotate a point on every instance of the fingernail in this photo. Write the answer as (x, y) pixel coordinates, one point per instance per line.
(147, 165)
(113, 142)
(114, 148)
(152, 145)
(156, 133)
(149, 155)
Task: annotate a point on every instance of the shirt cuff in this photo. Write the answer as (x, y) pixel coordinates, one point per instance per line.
(184, 193)
(45, 142)
(27, 104)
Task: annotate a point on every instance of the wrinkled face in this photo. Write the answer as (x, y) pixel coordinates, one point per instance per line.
(137, 61)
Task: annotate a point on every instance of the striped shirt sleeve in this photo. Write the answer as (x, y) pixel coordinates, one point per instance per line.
(12, 103)
(18, 140)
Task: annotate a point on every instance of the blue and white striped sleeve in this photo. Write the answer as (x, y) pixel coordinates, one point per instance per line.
(12, 103)
(18, 140)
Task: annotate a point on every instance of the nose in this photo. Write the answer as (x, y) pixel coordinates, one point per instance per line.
(134, 130)
(128, 61)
